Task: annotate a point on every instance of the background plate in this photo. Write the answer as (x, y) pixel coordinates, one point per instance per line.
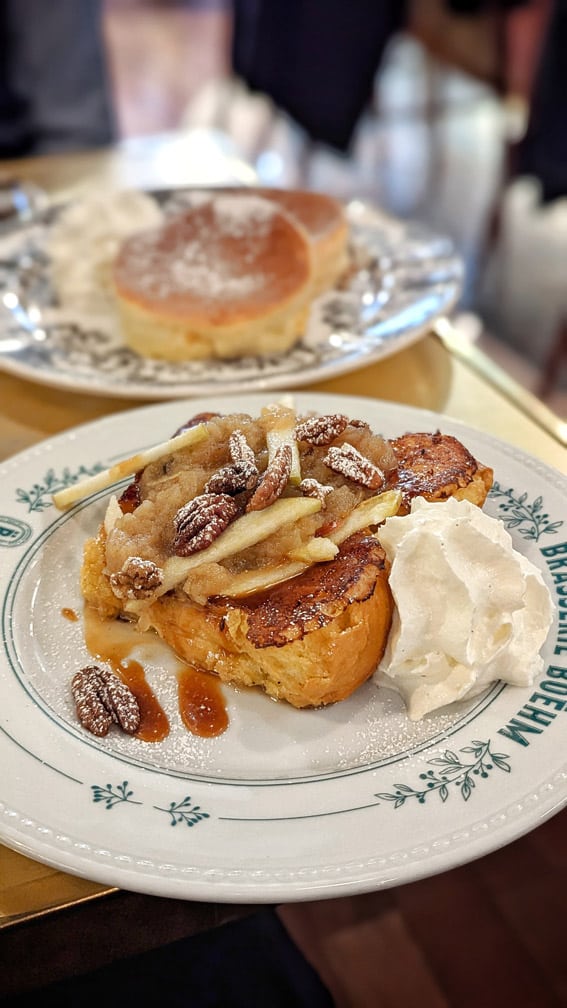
(414, 277)
(285, 805)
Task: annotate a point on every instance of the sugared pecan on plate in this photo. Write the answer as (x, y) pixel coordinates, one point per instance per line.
(274, 480)
(137, 579)
(201, 521)
(321, 430)
(102, 699)
(346, 460)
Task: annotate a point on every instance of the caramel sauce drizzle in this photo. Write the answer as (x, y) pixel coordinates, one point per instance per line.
(201, 701)
(154, 723)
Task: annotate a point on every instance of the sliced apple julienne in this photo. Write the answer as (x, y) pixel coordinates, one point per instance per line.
(113, 514)
(372, 511)
(287, 401)
(315, 550)
(101, 480)
(246, 531)
(252, 581)
(281, 431)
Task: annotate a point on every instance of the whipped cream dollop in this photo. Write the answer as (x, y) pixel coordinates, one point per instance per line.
(84, 240)
(469, 608)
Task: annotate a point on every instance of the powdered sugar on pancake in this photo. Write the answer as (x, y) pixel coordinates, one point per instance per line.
(235, 215)
(227, 249)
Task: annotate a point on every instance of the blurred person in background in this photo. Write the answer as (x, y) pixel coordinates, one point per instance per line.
(543, 151)
(54, 92)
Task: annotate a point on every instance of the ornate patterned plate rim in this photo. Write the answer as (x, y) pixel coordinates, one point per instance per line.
(91, 812)
(422, 279)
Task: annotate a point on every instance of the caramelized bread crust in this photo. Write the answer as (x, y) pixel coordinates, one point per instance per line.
(291, 610)
(437, 466)
(311, 641)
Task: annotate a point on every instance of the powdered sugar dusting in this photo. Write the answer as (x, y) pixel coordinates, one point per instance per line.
(235, 215)
(346, 460)
(191, 256)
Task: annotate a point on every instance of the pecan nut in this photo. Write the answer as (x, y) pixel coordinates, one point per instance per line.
(201, 521)
(233, 479)
(274, 480)
(312, 488)
(350, 463)
(102, 699)
(240, 450)
(321, 430)
(137, 579)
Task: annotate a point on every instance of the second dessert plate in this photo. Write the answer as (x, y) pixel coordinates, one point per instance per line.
(411, 276)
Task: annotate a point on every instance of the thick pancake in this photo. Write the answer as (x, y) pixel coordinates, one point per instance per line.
(230, 276)
(324, 220)
(437, 466)
(318, 213)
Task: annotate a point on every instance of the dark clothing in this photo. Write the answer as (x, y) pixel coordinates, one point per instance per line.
(543, 152)
(54, 94)
(251, 963)
(316, 59)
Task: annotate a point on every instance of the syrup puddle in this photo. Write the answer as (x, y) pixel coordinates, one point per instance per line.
(201, 701)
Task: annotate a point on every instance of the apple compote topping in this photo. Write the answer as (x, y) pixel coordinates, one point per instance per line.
(222, 485)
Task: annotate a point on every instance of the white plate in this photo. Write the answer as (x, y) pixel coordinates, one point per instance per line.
(285, 805)
(416, 277)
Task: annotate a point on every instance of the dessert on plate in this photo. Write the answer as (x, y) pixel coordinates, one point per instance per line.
(254, 551)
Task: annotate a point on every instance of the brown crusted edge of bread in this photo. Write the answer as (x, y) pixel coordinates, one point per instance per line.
(301, 643)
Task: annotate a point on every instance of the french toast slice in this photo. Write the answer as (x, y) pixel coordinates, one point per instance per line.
(286, 587)
(311, 640)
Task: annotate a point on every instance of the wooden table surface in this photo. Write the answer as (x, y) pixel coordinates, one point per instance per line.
(442, 372)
